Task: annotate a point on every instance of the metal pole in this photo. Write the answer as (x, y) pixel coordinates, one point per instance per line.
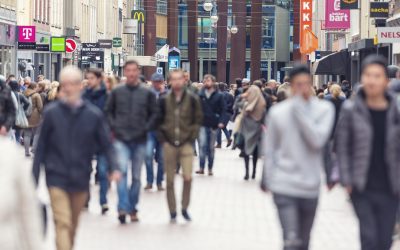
(209, 52)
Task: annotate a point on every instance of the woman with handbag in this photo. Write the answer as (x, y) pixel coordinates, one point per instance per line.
(21, 104)
(251, 126)
(34, 116)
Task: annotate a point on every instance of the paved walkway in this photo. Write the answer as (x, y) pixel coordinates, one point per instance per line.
(228, 214)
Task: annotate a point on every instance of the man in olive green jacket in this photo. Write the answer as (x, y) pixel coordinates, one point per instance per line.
(180, 120)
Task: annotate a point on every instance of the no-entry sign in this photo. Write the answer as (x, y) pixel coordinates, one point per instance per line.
(70, 45)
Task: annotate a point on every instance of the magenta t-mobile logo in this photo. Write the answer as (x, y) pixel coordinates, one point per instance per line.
(26, 34)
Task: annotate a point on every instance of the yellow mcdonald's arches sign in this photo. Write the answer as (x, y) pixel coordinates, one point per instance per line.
(139, 15)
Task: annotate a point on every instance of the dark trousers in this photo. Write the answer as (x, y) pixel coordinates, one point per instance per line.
(219, 135)
(377, 215)
(297, 217)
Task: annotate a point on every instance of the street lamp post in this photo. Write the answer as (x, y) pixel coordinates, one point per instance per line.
(209, 6)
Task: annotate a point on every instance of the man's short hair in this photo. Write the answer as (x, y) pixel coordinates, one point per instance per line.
(131, 62)
(298, 70)
(211, 77)
(375, 60)
(72, 73)
(180, 71)
(96, 72)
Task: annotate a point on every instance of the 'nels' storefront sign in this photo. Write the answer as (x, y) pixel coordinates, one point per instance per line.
(389, 35)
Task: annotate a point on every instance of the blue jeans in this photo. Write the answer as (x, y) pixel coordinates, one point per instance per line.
(206, 143)
(102, 165)
(126, 152)
(154, 151)
(219, 135)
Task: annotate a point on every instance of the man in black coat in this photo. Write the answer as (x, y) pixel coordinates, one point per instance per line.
(214, 110)
(72, 132)
(132, 112)
(229, 101)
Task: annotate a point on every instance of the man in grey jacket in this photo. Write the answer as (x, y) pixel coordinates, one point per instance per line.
(368, 146)
(132, 112)
(297, 131)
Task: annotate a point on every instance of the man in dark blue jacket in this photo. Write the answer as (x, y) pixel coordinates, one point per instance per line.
(214, 110)
(73, 130)
(229, 101)
(96, 94)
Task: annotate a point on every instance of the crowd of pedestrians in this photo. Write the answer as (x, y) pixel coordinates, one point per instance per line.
(121, 124)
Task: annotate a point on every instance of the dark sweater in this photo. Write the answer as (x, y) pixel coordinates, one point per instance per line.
(214, 109)
(132, 112)
(69, 137)
(378, 177)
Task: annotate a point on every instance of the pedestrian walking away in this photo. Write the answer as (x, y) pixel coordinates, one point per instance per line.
(34, 114)
(132, 113)
(72, 131)
(7, 108)
(297, 131)
(367, 142)
(214, 110)
(180, 119)
(251, 127)
(154, 148)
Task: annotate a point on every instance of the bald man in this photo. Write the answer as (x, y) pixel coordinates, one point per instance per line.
(72, 132)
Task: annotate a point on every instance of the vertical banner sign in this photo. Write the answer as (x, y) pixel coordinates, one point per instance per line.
(335, 18)
(348, 4)
(305, 23)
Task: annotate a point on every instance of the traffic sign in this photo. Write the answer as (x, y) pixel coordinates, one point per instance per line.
(70, 45)
(160, 70)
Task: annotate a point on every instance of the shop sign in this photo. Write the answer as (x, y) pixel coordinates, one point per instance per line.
(379, 9)
(117, 42)
(43, 47)
(139, 15)
(105, 44)
(348, 4)
(27, 46)
(26, 34)
(57, 44)
(388, 35)
(335, 18)
(131, 26)
(91, 53)
(306, 11)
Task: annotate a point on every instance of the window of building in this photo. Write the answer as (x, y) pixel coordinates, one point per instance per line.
(162, 7)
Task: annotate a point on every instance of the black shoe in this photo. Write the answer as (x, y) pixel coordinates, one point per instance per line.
(173, 217)
(122, 219)
(253, 176)
(186, 216)
(104, 209)
(229, 143)
(246, 178)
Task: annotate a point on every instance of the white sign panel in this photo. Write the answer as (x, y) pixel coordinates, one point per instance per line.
(162, 54)
(160, 70)
(389, 35)
(130, 26)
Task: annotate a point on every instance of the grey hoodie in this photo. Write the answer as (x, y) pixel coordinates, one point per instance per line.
(297, 131)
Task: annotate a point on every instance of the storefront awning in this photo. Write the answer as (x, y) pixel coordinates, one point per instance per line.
(333, 64)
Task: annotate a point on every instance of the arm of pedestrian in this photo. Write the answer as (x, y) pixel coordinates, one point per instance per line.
(315, 130)
(11, 114)
(342, 144)
(270, 145)
(153, 111)
(28, 206)
(104, 140)
(109, 109)
(40, 152)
